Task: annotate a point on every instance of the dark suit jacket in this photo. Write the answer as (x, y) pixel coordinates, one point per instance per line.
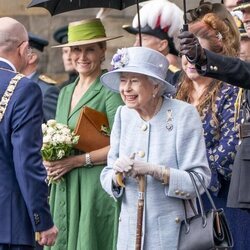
(50, 94)
(24, 205)
(237, 73)
(227, 69)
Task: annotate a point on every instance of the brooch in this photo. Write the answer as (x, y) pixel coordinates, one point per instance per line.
(169, 125)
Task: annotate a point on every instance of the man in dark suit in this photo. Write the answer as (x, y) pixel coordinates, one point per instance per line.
(50, 92)
(24, 209)
(237, 73)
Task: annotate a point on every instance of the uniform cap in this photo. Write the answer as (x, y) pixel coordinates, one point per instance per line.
(159, 18)
(242, 4)
(238, 20)
(37, 42)
(61, 35)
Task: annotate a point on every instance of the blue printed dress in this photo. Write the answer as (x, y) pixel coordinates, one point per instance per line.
(221, 142)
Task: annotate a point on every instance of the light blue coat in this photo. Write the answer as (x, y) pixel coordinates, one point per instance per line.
(173, 138)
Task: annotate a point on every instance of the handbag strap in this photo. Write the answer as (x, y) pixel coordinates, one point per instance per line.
(200, 179)
(192, 174)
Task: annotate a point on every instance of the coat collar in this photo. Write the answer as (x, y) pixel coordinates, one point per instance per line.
(5, 64)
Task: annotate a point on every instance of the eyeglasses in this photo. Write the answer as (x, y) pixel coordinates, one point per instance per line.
(20, 44)
(29, 49)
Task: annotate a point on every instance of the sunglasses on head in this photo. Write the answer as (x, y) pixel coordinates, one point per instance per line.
(203, 9)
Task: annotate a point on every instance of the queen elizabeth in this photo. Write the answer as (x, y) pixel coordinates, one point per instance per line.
(156, 137)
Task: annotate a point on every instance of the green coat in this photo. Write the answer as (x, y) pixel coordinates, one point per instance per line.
(84, 213)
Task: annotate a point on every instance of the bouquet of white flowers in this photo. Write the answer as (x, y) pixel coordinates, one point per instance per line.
(58, 140)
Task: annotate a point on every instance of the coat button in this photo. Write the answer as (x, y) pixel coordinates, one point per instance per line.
(177, 220)
(177, 192)
(187, 195)
(215, 68)
(141, 154)
(211, 67)
(144, 127)
(182, 193)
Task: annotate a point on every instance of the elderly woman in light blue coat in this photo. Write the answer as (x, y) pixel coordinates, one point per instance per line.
(156, 137)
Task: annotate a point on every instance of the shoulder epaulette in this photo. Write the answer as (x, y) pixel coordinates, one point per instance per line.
(173, 68)
(47, 79)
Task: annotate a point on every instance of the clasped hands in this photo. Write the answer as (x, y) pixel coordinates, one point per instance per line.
(130, 167)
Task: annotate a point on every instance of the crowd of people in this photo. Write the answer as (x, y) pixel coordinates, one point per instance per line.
(176, 101)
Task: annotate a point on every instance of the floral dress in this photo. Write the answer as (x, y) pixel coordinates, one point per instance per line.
(221, 142)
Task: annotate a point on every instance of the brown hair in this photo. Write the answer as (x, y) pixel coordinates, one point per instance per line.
(222, 39)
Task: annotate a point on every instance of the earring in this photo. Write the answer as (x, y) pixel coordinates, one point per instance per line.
(102, 59)
(153, 95)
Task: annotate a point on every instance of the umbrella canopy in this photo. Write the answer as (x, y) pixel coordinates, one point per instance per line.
(60, 6)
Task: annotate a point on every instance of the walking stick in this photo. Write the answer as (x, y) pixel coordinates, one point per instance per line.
(140, 207)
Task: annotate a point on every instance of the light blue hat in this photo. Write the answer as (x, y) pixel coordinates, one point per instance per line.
(139, 60)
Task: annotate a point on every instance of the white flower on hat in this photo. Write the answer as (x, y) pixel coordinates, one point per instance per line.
(120, 59)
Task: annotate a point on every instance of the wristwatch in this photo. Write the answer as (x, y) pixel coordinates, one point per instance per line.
(88, 162)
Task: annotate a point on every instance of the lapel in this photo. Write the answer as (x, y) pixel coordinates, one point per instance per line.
(93, 90)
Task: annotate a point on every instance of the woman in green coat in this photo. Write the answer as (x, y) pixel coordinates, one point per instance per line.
(84, 214)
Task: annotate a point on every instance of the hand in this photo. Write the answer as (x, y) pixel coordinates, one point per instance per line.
(123, 165)
(144, 168)
(191, 48)
(56, 169)
(48, 237)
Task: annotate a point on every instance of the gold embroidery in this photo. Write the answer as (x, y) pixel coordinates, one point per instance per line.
(8, 93)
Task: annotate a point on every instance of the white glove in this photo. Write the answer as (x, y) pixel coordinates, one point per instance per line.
(123, 165)
(144, 168)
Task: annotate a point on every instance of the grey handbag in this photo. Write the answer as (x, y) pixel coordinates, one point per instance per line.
(205, 230)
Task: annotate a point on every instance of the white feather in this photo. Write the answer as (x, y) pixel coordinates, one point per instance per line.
(103, 12)
(171, 15)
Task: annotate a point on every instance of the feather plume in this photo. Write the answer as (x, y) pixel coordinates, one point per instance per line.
(162, 12)
(103, 12)
(170, 15)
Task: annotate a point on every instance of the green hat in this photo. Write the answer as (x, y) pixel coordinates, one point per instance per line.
(86, 31)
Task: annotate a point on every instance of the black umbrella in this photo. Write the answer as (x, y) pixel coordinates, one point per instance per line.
(60, 6)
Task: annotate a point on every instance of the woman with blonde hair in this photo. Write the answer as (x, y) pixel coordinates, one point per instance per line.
(215, 101)
(84, 214)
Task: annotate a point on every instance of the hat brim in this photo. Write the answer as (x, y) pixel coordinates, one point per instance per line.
(111, 79)
(85, 42)
(130, 29)
(244, 35)
(242, 6)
